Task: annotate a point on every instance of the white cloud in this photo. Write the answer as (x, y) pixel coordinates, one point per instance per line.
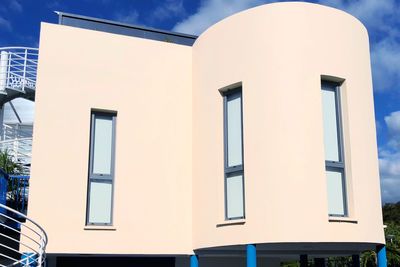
(393, 125)
(5, 24)
(55, 5)
(212, 11)
(25, 110)
(10, 5)
(131, 17)
(6, 7)
(165, 10)
(390, 189)
(381, 19)
(374, 14)
(169, 9)
(389, 166)
(393, 122)
(15, 5)
(389, 160)
(378, 126)
(385, 57)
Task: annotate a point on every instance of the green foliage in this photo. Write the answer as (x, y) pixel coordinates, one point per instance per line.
(290, 264)
(391, 212)
(11, 166)
(391, 218)
(392, 233)
(368, 259)
(339, 261)
(8, 164)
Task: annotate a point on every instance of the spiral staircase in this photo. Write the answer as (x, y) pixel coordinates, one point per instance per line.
(18, 68)
(22, 241)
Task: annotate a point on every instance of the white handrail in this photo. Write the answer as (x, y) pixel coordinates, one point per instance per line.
(20, 149)
(17, 140)
(33, 240)
(18, 67)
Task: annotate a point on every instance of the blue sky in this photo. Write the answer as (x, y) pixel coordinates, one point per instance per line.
(20, 25)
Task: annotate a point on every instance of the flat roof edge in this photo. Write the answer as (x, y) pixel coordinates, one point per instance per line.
(116, 27)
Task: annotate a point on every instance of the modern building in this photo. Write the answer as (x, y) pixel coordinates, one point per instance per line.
(253, 143)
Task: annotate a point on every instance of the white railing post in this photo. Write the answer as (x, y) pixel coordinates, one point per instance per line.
(9, 68)
(3, 70)
(40, 252)
(24, 73)
(32, 242)
(19, 66)
(15, 149)
(2, 129)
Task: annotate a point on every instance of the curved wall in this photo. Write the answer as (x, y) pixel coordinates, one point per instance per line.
(279, 52)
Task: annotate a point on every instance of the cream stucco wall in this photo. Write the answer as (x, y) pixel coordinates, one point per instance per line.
(279, 52)
(169, 177)
(149, 84)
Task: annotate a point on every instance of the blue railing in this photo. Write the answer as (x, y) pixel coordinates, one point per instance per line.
(18, 191)
(14, 191)
(3, 189)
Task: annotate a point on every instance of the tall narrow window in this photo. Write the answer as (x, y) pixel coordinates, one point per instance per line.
(233, 142)
(334, 156)
(101, 169)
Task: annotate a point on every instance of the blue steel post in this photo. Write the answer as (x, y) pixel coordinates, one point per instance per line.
(194, 261)
(381, 251)
(251, 256)
(3, 189)
(303, 260)
(319, 262)
(355, 260)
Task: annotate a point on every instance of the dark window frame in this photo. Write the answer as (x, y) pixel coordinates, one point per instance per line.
(230, 171)
(93, 177)
(337, 166)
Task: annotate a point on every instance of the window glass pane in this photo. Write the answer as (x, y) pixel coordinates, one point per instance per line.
(330, 126)
(335, 193)
(234, 128)
(100, 202)
(234, 196)
(103, 131)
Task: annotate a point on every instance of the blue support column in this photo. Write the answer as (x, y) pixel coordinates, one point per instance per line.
(251, 256)
(194, 261)
(319, 262)
(355, 260)
(381, 252)
(303, 260)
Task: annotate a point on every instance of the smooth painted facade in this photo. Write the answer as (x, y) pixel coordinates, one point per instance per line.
(169, 190)
(147, 84)
(279, 66)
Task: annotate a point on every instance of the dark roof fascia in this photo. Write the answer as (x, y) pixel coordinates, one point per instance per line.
(115, 27)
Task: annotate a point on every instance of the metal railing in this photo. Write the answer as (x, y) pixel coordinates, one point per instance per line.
(20, 149)
(18, 68)
(21, 244)
(18, 192)
(17, 130)
(17, 141)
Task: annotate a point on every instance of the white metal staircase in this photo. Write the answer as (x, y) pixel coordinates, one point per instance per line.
(22, 241)
(17, 140)
(18, 67)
